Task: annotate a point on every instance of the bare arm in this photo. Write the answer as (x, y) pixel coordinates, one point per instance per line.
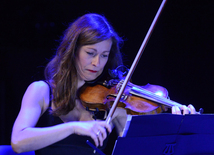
(25, 137)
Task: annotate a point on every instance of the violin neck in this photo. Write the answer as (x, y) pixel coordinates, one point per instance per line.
(139, 91)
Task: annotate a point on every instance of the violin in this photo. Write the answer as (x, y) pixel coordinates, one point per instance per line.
(137, 100)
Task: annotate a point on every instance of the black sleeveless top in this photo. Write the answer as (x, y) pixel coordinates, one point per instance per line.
(72, 145)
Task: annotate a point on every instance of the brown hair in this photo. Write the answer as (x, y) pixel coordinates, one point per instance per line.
(61, 70)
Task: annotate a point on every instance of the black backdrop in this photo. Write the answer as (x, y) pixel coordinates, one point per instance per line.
(178, 55)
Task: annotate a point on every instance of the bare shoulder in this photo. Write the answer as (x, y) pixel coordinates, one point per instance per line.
(39, 92)
(40, 87)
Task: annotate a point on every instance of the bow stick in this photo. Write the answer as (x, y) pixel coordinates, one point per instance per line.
(134, 64)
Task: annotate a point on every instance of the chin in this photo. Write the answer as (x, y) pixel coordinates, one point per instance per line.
(91, 78)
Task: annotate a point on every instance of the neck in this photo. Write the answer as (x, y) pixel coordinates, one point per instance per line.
(80, 83)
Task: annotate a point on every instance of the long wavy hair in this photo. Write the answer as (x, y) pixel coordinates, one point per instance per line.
(61, 71)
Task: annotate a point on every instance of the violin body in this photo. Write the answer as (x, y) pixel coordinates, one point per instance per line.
(99, 97)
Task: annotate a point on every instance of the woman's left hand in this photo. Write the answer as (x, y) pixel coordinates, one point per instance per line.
(186, 110)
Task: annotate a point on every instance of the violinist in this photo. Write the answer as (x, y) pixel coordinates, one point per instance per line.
(52, 119)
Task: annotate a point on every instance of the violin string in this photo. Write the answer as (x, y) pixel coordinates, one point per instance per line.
(152, 96)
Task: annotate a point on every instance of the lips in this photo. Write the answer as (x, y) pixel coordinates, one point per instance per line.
(92, 71)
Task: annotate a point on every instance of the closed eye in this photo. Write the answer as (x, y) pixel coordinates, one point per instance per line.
(90, 53)
(105, 55)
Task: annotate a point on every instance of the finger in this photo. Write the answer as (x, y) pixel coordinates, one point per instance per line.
(192, 109)
(185, 110)
(102, 131)
(107, 126)
(100, 138)
(95, 138)
(173, 110)
(100, 134)
(176, 110)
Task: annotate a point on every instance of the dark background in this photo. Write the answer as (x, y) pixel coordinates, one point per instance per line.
(179, 55)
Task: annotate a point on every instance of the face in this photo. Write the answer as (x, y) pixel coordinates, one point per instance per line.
(92, 59)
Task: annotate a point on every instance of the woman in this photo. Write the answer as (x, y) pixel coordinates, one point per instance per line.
(88, 49)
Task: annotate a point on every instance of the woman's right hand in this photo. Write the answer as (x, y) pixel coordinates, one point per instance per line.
(95, 129)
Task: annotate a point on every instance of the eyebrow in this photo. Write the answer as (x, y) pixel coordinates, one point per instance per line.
(91, 48)
(96, 49)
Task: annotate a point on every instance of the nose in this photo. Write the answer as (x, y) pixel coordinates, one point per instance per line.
(96, 61)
